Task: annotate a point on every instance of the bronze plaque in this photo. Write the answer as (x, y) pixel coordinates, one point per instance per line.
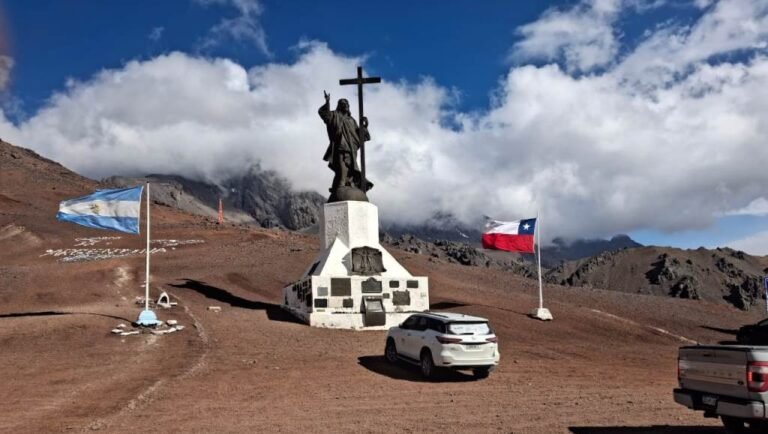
(401, 298)
(341, 287)
(367, 261)
(371, 286)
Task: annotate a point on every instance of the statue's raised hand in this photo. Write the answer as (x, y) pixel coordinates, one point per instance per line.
(327, 96)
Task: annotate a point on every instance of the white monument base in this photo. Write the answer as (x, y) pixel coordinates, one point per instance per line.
(348, 321)
(347, 289)
(542, 313)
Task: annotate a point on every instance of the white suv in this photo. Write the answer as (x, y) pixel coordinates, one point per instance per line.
(446, 339)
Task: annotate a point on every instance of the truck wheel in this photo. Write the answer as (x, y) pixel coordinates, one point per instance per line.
(735, 425)
(427, 365)
(481, 372)
(390, 351)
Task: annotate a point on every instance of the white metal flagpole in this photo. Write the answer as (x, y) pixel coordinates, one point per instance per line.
(147, 317)
(537, 229)
(541, 313)
(146, 281)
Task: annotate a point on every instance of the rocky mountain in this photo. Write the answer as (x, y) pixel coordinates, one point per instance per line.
(186, 195)
(720, 275)
(441, 226)
(270, 199)
(259, 197)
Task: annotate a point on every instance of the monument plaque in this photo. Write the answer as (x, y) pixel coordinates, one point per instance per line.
(371, 286)
(341, 287)
(366, 261)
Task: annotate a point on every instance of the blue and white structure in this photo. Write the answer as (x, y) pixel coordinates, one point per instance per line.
(118, 210)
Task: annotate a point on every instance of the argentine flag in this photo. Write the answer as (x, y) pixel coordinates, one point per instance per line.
(115, 209)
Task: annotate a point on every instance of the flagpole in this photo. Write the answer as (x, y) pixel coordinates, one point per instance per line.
(147, 317)
(146, 282)
(541, 313)
(538, 257)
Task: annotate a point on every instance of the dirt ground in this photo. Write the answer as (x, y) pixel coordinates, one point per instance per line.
(606, 364)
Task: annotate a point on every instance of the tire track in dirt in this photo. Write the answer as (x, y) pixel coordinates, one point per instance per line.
(656, 330)
(147, 395)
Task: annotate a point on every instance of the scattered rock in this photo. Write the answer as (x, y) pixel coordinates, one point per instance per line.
(687, 287)
(130, 333)
(163, 331)
(171, 322)
(214, 308)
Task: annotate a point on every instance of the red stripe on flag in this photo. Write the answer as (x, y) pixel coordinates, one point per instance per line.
(510, 243)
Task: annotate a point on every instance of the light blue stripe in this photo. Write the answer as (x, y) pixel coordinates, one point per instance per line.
(121, 224)
(132, 194)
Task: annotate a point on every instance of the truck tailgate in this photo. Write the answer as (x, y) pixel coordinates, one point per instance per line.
(716, 370)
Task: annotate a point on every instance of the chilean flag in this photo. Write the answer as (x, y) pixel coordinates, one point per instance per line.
(514, 236)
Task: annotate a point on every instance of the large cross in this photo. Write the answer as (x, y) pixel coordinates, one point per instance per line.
(360, 81)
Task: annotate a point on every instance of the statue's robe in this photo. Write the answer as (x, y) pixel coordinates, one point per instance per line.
(343, 137)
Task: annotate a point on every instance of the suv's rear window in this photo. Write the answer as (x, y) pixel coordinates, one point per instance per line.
(469, 328)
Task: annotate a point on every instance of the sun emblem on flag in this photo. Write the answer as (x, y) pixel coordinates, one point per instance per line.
(95, 208)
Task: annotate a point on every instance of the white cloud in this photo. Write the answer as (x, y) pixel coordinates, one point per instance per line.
(245, 27)
(583, 35)
(593, 153)
(756, 244)
(758, 207)
(731, 26)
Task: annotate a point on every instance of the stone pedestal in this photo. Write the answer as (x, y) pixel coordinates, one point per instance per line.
(354, 283)
(542, 313)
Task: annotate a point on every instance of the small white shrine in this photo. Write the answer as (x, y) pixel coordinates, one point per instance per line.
(354, 283)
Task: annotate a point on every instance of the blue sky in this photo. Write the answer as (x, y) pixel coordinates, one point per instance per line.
(458, 43)
(595, 111)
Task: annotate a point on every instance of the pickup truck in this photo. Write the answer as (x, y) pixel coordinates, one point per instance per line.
(726, 381)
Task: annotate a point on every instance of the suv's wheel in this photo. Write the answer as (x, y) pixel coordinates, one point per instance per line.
(482, 372)
(427, 365)
(390, 351)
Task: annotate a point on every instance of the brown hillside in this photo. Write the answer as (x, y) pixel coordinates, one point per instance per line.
(719, 275)
(23, 172)
(607, 363)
